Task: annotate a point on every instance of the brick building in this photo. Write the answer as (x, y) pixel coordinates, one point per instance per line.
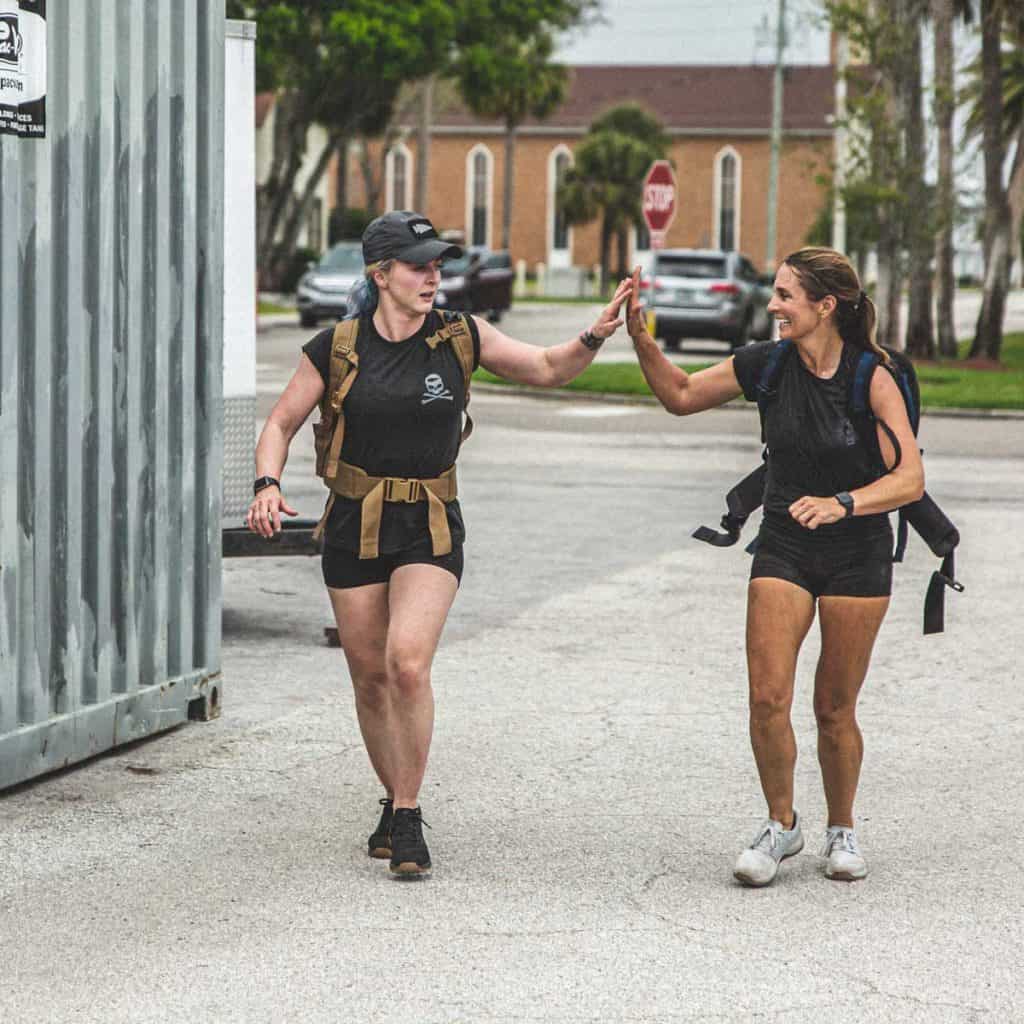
(718, 118)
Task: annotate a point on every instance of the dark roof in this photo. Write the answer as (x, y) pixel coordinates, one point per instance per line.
(697, 98)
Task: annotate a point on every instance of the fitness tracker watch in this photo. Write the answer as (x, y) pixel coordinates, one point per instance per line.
(264, 481)
(846, 500)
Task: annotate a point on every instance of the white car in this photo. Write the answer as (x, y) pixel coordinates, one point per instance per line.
(323, 290)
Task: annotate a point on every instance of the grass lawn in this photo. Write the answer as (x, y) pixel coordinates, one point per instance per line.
(943, 385)
(273, 307)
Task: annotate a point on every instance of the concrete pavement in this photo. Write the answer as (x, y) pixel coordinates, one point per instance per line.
(589, 787)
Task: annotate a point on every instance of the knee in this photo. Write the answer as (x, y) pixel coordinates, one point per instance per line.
(834, 717)
(370, 683)
(408, 674)
(767, 703)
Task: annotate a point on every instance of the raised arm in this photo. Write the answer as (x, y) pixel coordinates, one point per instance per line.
(681, 393)
(291, 410)
(549, 367)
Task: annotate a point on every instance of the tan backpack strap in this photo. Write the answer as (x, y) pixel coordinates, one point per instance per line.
(353, 482)
(344, 367)
(462, 343)
(339, 427)
(458, 334)
(343, 356)
(318, 530)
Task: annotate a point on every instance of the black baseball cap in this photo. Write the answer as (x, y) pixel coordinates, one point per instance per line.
(406, 236)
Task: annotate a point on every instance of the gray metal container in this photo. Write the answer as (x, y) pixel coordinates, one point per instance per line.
(110, 385)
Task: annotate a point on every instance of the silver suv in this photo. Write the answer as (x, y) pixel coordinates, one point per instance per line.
(706, 293)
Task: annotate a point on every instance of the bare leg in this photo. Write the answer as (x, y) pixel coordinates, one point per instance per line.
(419, 598)
(779, 614)
(362, 617)
(849, 626)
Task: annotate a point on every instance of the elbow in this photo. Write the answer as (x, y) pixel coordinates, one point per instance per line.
(678, 404)
(915, 485)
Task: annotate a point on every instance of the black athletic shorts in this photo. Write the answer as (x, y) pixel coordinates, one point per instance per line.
(834, 564)
(344, 569)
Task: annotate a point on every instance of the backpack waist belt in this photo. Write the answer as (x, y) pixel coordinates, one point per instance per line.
(373, 491)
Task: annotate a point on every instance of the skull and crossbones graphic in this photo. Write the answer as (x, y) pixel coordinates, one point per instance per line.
(434, 389)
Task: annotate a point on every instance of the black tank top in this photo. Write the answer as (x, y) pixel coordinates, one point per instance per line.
(813, 448)
(403, 418)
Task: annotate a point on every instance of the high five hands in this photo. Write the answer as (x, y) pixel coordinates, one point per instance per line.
(609, 321)
(636, 321)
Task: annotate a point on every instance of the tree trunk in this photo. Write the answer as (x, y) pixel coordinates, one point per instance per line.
(622, 247)
(988, 336)
(341, 185)
(886, 137)
(300, 210)
(945, 102)
(276, 194)
(1016, 196)
(426, 117)
(510, 172)
(920, 340)
(606, 244)
(889, 282)
(372, 184)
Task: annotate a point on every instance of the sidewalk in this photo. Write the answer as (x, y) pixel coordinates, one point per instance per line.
(589, 785)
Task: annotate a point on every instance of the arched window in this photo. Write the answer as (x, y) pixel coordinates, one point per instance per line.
(398, 177)
(479, 180)
(559, 232)
(726, 228)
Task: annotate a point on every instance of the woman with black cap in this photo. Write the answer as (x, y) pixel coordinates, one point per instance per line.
(391, 382)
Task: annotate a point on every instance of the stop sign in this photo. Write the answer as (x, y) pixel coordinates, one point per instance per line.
(659, 201)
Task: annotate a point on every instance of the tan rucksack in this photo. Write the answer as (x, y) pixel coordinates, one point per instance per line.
(351, 481)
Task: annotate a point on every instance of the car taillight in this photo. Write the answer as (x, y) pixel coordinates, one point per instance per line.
(645, 284)
(725, 289)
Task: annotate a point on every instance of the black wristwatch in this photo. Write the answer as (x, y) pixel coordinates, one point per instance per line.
(264, 481)
(846, 500)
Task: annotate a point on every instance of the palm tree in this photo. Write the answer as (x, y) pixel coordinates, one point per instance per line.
(944, 13)
(920, 338)
(998, 113)
(606, 179)
(512, 79)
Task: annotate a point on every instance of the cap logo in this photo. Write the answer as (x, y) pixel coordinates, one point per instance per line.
(421, 228)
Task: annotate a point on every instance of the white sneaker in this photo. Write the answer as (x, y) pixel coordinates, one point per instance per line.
(759, 863)
(845, 863)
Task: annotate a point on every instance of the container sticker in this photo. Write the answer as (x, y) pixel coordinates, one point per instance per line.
(23, 68)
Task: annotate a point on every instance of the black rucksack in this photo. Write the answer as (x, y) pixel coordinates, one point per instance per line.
(927, 519)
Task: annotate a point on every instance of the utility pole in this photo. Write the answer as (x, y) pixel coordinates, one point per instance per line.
(839, 179)
(773, 172)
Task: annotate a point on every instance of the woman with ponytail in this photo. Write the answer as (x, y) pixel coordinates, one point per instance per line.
(825, 543)
(393, 529)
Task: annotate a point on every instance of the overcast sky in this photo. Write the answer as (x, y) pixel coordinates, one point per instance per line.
(697, 32)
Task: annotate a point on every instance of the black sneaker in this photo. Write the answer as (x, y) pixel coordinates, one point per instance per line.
(379, 843)
(409, 853)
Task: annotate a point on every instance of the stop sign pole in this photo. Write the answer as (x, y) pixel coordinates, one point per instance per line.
(659, 201)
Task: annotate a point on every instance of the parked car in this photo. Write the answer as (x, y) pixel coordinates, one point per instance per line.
(480, 281)
(323, 290)
(706, 293)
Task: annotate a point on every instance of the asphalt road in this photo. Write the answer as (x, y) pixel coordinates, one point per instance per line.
(590, 782)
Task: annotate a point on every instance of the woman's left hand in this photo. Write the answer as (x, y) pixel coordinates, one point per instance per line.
(815, 512)
(609, 321)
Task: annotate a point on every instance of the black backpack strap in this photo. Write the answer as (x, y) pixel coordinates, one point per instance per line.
(743, 499)
(935, 599)
(865, 368)
(767, 384)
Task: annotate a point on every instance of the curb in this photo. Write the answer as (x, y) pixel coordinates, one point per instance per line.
(563, 394)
